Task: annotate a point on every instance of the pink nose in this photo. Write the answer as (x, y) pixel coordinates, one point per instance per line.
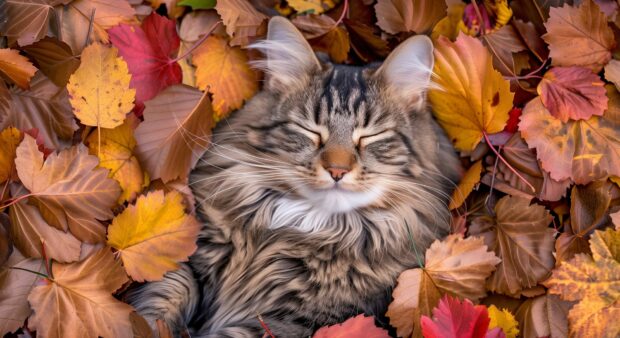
(337, 173)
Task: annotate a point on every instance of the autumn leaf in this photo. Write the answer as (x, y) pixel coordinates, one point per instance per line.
(543, 316)
(99, 89)
(78, 301)
(453, 266)
(15, 285)
(584, 150)
(55, 58)
(466, 185)
(224, 71)
(520, 236)
(572, 93)
(503, 44)
(117, 154)
(504, 320)
(174, 8)
(175, 132)
(335, 43)
(612, 73)
(148, 51)
(358, 326)
(453, 318)
(243, 22)
(153, 235)
(9, 139)
(395, 16)
(28, 19)
(595, 283)
(68, 189)
(579, 36)
(16, 67)
(313, 26)
(473, 98)
(364, 43)
(311, 6)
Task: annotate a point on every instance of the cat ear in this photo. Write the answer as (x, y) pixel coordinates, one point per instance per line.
(289, 58)
(407, 70)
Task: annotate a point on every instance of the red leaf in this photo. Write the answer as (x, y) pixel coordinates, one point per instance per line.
(455, 319)
(148, 52)
(353, 327)
(573, 93)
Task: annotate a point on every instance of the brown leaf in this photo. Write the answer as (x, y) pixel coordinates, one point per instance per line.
(9, 140)
(78, 302)
(175, 132)
(579, 36)
(531, 38)
(140, 326)
(535, 11)
(242, 21)
(335, 43)
(68, 188)
(365, 43)
(44, 107)
(543, 316)
(16, 67)
(55, 59)
(502, 44)
(312, 25)
(6, 244)
(612, 73)
(29, 19)
(196, 24)
(30, 231)
(395, 16)
(520, 236)
(15, 285)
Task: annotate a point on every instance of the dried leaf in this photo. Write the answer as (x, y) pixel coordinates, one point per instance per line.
(612, 73)
(520, 236)
(313, 26)
(455, 319)
(504, 320)
(473, 98)
(311, 6)
(503, 43)
(153, 235)
(466, 185)
(365, 43)
(99, 89)
(16, 67)
(28, 19)
(579, 36)
(175, 132)
(242, 21)
(395, 16)
(78, 302)
(358, 326)
(335, 43)
(9, 139)
(55, 59)
(544, 316)
(584, 150)
(68, 189)
(224, 71)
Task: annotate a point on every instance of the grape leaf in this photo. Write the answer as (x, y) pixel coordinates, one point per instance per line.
(243, 22)
(358, 326)
(16, 67)
(395, 16)
(153, 235)
(99, 89)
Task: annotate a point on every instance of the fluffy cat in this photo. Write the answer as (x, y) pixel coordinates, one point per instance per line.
(314, 196)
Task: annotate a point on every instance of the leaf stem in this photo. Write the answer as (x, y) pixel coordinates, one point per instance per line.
(90, 27)
(198, 43)
(529, 75)
(31, 271)
(501, 158)
(15, 200)
(345, 9)
(47, 262)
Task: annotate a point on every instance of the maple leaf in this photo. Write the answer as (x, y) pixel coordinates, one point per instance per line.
(473, 98)
(175, 132)
(455, 319)
(466, 185)
(242, 21)
(395, 16)
(15, 285)
(99, 89)
(520, 236)
(584, 150)
(117, 154)
(572, 92)
(579, 36)
(16, 67)
(45, 107)
(78, 301)
(148, 52)
(224, 71)
(28, 20)
(68, 189)
(55, 59)
(358, 326)
(153, 235)
(9, 139)
(595, 283)
(454, 266)
(544, 316)
(504, 320)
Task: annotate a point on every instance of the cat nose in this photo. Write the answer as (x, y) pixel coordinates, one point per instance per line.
(337, 173)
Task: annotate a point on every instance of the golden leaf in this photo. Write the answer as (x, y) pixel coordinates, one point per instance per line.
(16, 67)
(504, 320)
(9, 139)
(153, 235)
(311, 6)
(473, 98)
(99, 89)
(466, 185)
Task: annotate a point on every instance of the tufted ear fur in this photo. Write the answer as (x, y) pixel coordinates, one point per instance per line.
(289, 59)
(407, 71)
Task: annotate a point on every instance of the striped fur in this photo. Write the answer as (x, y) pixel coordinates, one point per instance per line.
(279, 240)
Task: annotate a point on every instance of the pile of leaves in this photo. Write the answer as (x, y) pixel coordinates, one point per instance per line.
(105, 106)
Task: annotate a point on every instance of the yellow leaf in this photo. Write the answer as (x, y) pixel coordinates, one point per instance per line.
(473, 98)
(311, 6)
(153, 235)
(9, 139)
(78, 302)
(451, 25)
(504, 320)
(116, 153)
(16, 67)
(466, 186)
(224, 71)
(99, 89)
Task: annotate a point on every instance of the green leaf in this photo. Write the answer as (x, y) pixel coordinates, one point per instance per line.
(197, 4)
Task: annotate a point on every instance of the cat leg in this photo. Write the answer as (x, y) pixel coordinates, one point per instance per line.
(172, 299)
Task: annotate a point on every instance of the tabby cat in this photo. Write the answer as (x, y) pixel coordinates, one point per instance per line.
(314, 196)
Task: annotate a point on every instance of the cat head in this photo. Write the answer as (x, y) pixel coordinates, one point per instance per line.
(342, 138)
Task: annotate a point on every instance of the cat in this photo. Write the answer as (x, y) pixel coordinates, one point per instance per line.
(314, 196)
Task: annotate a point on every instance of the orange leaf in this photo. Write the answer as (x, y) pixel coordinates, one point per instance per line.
(466, 186)
(16, 67)
(9, 140)
(242, 20)
(395, 16)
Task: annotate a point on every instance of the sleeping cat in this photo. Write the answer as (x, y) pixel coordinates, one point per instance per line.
(314, 196)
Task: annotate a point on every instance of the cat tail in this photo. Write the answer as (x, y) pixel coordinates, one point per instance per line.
(172, 299)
